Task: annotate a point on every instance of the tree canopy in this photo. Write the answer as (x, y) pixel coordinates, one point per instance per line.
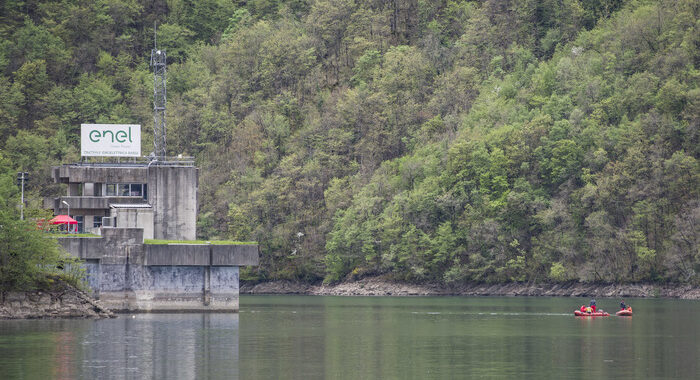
(432, 141)
(28, 258)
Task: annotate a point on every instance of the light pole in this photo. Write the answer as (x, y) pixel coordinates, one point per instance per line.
(66, 203)
(21, 178)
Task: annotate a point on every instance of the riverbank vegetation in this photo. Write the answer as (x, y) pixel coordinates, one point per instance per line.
(29, 259)
(433, 141)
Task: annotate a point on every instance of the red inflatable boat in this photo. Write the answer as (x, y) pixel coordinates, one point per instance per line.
(580, 313)
(624, 313)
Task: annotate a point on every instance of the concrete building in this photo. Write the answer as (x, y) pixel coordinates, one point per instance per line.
(161, 199)
(126, 203)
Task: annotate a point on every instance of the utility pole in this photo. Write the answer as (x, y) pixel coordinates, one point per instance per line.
(159, 99)
(22, 177)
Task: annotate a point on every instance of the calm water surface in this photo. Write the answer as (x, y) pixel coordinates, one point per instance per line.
(297, 337)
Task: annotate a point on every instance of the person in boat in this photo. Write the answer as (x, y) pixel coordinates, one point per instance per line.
(589, 310)
(583, 308)
(624, 306)
(592, 305)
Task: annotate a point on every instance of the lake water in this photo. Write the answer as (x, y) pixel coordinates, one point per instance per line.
(298, 337)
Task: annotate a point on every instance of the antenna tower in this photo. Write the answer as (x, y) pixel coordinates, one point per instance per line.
(159, 98)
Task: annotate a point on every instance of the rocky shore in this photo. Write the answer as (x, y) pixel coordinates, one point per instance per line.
(381, 287)
(60, 301)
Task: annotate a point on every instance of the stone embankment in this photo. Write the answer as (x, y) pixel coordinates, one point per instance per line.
(380, 287)
(60, 301)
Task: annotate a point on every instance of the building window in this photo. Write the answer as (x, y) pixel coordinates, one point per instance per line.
(127, 190)
(96, 221)
(80, 219)
(136, 189)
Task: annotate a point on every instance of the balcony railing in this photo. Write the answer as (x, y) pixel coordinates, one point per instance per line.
(134, 161)
(90, 202)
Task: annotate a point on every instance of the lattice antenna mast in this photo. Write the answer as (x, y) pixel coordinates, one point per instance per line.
(159, 99)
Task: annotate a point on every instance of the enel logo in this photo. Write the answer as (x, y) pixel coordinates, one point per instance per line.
(119, 136)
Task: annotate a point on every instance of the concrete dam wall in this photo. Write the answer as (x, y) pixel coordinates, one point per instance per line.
(127, 275)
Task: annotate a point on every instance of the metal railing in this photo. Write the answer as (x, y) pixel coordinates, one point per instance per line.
(134, 161)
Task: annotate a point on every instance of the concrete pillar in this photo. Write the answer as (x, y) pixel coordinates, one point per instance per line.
(172, 191)
(207, 285)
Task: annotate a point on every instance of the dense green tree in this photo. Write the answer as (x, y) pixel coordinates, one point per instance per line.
(28, 259)
(442, 141)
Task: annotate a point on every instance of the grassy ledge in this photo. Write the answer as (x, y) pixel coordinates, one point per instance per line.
(213, 242)
(63, 235)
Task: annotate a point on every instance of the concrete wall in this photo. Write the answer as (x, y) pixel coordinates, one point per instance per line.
(135, 218)
(172, 191)
(201, 254)
(100, 174)
(177, 254)
(131, 247)
(89, 223)
(83, 248)
(165, 288)
(238, 255)
(88, 205)
(127, 275)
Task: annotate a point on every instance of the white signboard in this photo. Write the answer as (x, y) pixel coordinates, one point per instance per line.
(121, 140)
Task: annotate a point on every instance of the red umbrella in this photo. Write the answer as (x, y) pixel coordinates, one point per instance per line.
(71, 224)
(63, 219)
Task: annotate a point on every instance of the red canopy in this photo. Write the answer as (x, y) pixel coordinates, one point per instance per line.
(63, 219)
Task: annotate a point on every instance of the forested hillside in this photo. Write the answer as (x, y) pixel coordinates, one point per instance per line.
(432, 141)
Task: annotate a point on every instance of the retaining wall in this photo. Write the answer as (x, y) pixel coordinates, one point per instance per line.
(127, 275)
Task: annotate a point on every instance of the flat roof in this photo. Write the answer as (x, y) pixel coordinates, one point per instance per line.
(131, 164)
(134, 161)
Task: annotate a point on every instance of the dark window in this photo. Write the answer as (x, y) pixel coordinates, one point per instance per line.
(127, 190)
(96, 221)
(80, 219)
(136, 189)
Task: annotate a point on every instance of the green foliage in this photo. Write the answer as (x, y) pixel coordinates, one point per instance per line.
(433, 141)
(205, 18)
(28, 258)
(557, 272)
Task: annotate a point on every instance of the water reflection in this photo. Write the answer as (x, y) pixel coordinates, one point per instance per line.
(65, 344)
(144, 346)
(453, 337)
(371, 338)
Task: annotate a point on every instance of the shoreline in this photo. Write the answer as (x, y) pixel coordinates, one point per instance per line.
(376, 286)
(59, 301)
